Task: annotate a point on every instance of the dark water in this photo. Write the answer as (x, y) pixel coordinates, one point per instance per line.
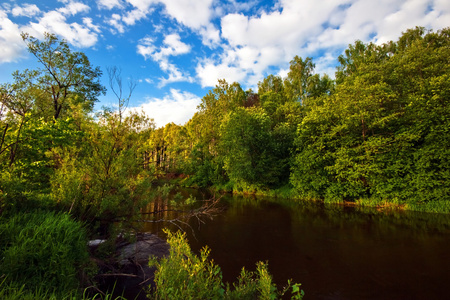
(335, 252)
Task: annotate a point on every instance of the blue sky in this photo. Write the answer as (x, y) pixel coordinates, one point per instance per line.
(176, 50)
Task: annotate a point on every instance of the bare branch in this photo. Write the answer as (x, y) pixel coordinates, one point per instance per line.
(115, 83)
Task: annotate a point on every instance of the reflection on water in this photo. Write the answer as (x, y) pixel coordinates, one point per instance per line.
(336, 252)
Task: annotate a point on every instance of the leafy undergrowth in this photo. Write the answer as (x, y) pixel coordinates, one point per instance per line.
(184, 275)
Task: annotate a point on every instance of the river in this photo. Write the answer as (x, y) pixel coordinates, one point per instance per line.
(334, 251)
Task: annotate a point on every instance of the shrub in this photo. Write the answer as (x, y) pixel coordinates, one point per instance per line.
(183, 275)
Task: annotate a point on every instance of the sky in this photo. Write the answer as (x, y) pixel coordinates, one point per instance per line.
(176, 50)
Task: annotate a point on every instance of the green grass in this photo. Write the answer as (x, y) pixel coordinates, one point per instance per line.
(442, 206)
(12, 291)
(43, 252)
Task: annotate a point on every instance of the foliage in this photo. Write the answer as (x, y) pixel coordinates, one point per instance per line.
(377, 134)
(42, 251)
(184, 275)
(245, 140)
(40, 117)
(95, 179)
(382, 133)
(65, 80)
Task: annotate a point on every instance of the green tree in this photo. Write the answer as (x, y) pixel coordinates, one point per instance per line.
(369, 138)
(39, 109)
(203, 130)
(104, 179)
(65, 79)
(248, 148)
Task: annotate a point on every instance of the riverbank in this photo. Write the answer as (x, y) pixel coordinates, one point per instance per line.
(287, 192)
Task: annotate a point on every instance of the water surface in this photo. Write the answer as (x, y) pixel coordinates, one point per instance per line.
(336, 252)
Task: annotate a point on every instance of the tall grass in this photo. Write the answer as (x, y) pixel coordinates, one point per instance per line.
(442, 206)
(43, 252)
(12, 291)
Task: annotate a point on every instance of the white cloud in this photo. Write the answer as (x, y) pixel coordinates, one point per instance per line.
(89, 24)
(209, 72)
(11, 45)
(172, 46)
(55, 21)
(254, 44)
(193, 14)
(75, 33)
(146, 47)
(141, 9)
(109, 4)
(177, 107)
(116, 23)
(143, 5)
(133, 16)
(210, 35)
(27, 10)
(413, 13)
(73, 8)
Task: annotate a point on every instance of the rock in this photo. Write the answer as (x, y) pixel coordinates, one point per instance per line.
(133, 275)
(140, 251)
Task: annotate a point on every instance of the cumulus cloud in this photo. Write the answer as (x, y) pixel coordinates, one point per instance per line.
(89, 24)
(127, 17)
(172, 46)
(73, 8)
(240, 41)
(11, 44)
(209, 73)
(254, 44)
(27, 10)
(141, 9)
(193, 14)
(197, 16)
(116, 22)
(177, 107)
(77, 34)
(109, 4)
(56, 21)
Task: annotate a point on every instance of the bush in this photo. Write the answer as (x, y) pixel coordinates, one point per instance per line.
(183, 275)
(42, 251)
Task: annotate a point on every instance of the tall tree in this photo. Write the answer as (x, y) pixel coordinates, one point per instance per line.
(296, 83)
(383, 133)
(65, 79)
(38, 109)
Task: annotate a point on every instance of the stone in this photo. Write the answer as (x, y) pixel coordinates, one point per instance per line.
(134, 276)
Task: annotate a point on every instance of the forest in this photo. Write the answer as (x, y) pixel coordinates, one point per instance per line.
(377, 134)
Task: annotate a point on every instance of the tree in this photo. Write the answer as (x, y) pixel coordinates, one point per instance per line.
(104, 179)
(65, 79)
(248, 148)
(382, 134)
(271, 83)
(64, 85)
(296, 84)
